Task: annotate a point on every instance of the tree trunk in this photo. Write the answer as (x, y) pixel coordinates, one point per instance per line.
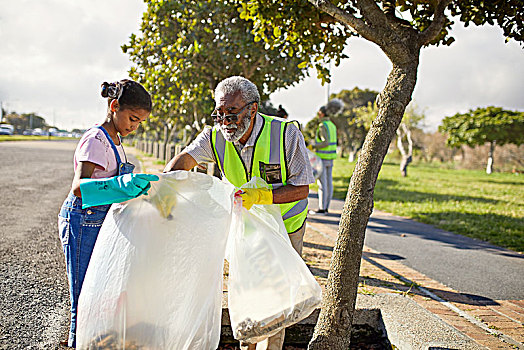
(489, 167)
(352, 154)
(333, 328)
(407, 156)
(404, 165)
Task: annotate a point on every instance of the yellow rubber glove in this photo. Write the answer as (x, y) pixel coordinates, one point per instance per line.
(310, 147)
(252, 196)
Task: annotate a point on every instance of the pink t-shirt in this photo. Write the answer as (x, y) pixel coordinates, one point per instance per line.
(94, 147)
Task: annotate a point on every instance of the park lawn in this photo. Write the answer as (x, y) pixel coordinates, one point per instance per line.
(467, 202)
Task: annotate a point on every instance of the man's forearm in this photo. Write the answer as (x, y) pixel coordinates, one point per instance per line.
(290, 193)
(182, 161)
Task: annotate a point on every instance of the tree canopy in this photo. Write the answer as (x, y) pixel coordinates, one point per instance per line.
(185, 48)
(316, 31)
(351, 125)
(484, 125)
(25, 121)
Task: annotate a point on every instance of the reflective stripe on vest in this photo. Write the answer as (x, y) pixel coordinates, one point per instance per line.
(330, 151)
(269, 150)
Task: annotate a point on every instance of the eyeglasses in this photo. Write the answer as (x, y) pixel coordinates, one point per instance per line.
(230, 118)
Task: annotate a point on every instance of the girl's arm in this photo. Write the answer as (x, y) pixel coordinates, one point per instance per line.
(84, 170)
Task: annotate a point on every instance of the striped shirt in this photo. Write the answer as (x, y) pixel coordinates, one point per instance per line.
(299, 170)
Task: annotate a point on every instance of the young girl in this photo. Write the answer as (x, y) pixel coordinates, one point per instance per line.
(102, 176)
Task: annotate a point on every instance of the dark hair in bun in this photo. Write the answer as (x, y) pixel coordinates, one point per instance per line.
(128, 93)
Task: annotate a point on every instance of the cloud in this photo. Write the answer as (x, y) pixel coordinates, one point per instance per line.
(478, 70)
(57, 53)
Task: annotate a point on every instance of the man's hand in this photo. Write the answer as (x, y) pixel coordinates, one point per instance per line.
(182, 161)
(252, 196)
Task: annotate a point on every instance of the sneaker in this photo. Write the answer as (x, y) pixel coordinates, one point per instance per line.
(318, 212)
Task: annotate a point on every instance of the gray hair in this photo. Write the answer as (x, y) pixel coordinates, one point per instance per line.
(235, 84)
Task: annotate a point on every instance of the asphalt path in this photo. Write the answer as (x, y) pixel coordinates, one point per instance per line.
(470, 266)
(35, 178)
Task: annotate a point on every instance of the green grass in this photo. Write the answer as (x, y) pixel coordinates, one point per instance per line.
(30, 138)
(467, 202)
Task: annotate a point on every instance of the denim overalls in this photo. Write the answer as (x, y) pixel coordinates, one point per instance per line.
(78, 229)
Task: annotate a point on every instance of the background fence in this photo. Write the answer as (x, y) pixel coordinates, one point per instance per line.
(164, 151)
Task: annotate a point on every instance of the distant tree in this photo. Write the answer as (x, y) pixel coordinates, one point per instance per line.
(186, 47)
(352, 129)
(491, 125)
(3, 113)
(434, 147)
(25, 121)
(318, 30)
(266, 107)
(412, 120)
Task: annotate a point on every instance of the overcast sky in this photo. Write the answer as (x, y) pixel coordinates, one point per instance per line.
(55, 54)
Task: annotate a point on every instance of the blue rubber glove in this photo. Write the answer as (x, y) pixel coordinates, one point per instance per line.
(114, 189)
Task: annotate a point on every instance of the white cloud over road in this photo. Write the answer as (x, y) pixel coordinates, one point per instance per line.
(56, 53)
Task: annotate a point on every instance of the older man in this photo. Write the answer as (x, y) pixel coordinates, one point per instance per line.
(245, 143)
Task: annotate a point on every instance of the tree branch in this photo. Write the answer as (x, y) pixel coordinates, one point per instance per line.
(354, 23)
(372, 13)
(389, 8)
(436, 25)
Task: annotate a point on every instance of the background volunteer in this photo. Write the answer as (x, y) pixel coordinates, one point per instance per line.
(326, 148)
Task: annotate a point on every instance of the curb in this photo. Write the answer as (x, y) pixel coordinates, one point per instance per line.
(409, 326)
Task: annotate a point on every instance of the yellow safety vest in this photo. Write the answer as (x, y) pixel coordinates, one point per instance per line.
(268, 162)
(330, 151)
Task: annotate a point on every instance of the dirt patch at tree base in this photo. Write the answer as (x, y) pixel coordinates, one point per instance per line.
(363, 337)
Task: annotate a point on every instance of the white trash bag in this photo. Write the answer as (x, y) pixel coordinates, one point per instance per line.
(155, 277)
(316, 163)
(270, 287)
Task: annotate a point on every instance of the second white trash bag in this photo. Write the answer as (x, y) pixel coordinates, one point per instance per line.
(316, 163)
(270, 287)
(155, 277)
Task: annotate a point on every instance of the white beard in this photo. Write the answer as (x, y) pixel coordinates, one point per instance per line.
(240, 130)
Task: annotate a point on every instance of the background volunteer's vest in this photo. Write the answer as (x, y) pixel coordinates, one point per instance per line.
(329, 152)
(268, 162)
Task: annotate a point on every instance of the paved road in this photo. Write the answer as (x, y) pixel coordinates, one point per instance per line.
(36, 177)
(464, 264)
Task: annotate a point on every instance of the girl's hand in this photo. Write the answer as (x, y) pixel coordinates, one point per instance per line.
(114, 189)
